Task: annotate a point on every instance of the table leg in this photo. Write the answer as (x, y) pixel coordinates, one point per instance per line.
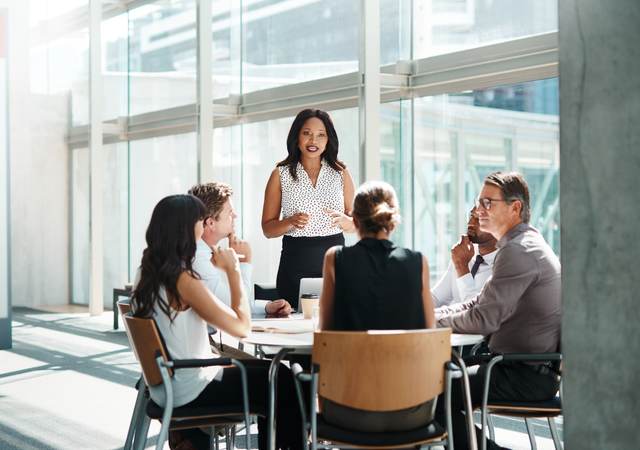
(273, 383)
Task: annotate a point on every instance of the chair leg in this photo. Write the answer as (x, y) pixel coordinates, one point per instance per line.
(136, 417)
(233, 438)
(554, 433)
(531, 432)
(227, 437)
(492, 431)
(140, 437)
(213, 442)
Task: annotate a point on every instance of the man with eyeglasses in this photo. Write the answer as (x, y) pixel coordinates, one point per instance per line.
(470, 267)
(519, 307)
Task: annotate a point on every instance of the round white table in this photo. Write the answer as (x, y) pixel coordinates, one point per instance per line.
(289, 336)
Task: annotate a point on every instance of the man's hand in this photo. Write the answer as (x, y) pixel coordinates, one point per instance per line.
(298, 220)
(461, 254)
(278, 308)
(242, 248)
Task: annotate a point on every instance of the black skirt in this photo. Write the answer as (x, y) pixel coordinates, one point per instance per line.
(302, 257)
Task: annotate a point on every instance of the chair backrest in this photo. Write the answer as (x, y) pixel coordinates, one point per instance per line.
(146, 342)
(381, 370)
(310, 286)
(124, 306)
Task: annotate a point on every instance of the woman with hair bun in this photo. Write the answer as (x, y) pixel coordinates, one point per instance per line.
(375, 285)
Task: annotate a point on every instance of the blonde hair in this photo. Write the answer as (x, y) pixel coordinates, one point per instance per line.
(375, 208)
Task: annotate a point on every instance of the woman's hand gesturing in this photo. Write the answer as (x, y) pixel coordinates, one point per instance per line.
(299, 220)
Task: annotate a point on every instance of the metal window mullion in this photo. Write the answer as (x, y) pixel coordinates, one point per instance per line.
(96, 161)
(459, 199)
(205, 92)
(369, 99)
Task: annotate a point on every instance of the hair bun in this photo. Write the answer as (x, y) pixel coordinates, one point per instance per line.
(375, 208)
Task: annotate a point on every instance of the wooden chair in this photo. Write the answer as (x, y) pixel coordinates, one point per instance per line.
(157, 369)
(379, 371)
(526, 410)
(137, 417)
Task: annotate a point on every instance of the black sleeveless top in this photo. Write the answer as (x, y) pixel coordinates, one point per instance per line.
(378, 287)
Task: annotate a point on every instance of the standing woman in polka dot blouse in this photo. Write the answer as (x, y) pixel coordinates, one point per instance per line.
(308, 201)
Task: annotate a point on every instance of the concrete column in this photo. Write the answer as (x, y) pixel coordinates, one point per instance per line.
(600, 207)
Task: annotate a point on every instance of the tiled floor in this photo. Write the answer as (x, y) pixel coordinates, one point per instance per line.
(68, 384)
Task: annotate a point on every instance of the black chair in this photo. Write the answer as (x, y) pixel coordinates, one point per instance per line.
(549, 409)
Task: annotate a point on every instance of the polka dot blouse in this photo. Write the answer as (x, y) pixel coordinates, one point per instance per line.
(300, 196)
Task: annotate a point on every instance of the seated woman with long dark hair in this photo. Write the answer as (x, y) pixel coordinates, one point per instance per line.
(170, 291)
(375, 285)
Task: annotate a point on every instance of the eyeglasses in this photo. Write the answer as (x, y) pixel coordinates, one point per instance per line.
(486, 202)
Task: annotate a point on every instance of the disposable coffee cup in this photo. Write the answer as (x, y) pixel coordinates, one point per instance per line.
(308, 302)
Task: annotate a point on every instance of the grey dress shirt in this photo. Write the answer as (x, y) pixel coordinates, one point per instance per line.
(520, 306)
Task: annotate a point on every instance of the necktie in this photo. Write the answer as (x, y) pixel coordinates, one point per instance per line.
(476, 265)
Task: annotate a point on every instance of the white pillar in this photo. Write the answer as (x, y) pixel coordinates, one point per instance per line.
(96, 258)
(5, 250)
(205, 93)
(369, 110)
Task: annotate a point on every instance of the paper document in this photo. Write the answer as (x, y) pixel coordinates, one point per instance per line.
(287, 326)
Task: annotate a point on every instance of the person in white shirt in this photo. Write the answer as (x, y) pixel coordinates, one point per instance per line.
(470, 267)
(219, 225)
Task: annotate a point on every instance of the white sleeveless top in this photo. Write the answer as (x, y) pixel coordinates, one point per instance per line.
(186, 338)
(300, 196)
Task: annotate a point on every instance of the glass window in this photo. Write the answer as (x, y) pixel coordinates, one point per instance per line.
(264, 144)
(115, 218)
(225, 57)
(443, 26)
(461, 138)
(228, 166)
(158, 167)
(162, 55)
(288, 41)
(115, 222)
(395, 162)
(115, 62)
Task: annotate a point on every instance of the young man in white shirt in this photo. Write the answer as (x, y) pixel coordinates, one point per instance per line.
(220, 225)
(466, 275)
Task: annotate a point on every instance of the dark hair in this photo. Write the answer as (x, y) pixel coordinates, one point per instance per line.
(213, 195)
(330, 154)
(513, 187)
(375, 208)
(171, 247)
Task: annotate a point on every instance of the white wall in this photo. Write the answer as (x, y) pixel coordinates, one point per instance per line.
(39, 176)
(4, 172)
